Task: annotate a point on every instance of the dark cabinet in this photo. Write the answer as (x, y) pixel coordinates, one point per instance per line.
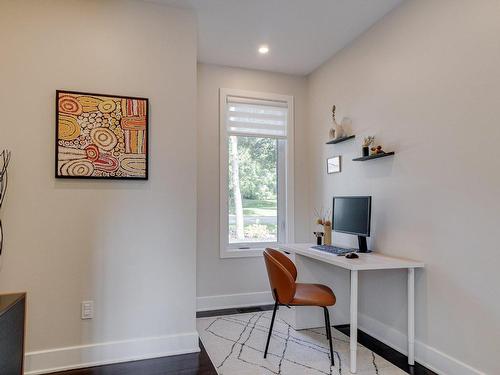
(12, 321)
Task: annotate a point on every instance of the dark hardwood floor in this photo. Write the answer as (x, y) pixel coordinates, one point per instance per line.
(200, 364)
(185, 364)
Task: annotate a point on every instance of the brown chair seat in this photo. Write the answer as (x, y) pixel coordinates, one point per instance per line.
(313, 295)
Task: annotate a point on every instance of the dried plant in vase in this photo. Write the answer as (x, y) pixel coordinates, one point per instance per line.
(4, 163)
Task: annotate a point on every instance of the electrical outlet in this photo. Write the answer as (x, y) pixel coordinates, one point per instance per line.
(87, 309)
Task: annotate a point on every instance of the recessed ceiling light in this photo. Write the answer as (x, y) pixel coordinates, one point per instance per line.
(263, 50)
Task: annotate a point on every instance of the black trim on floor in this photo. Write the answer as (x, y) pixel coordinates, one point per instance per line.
(396, 358)
(236, 310)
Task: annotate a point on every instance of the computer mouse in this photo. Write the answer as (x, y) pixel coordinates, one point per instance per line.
(352, 256)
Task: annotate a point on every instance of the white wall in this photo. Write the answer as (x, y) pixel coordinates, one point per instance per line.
(241, 281)
(426, 82)
(127, 245)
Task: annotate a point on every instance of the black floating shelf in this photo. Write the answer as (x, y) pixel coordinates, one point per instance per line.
(334, 141)
(376, 156)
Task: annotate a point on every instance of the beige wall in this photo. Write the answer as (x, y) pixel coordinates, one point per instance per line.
(426, 82)
(127, 245)
(244, 275)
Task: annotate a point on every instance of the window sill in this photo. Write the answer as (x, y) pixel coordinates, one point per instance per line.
(241, 253)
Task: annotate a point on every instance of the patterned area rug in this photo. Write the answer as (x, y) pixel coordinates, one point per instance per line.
(235, 344)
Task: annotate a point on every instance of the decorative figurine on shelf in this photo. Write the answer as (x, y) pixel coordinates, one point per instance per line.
(368, 141)
(331, 134)
(333, 129)
(4, 163)
(337, 131)
(326, 224)
(377, 150)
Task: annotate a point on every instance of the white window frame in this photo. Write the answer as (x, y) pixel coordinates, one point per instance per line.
(285, 214)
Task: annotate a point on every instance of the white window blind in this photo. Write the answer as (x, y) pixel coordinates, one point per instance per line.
(256, 117)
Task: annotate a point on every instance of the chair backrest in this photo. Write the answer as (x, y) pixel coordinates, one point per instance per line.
(282, 275)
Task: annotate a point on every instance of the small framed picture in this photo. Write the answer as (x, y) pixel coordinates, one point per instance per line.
(333, 164)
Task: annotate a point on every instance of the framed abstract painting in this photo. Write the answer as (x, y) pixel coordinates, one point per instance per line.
(101, 136)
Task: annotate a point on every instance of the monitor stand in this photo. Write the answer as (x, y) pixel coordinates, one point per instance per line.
(363, 248)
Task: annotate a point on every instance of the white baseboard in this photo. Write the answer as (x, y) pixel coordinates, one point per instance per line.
(59, 359)
(228, 301)
(435, 360)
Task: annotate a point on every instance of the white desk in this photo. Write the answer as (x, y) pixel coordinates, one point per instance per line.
(365, 262)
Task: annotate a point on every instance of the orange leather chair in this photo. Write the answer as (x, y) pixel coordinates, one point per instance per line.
(282, 275)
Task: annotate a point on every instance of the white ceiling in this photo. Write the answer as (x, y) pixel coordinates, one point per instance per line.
(301, 34)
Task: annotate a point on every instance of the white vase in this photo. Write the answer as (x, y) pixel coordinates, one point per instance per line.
(339, 131)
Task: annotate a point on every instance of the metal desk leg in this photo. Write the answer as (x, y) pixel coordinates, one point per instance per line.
(354, 320)
(411, 316)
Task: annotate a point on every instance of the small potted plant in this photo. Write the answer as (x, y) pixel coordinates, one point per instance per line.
(368, 141)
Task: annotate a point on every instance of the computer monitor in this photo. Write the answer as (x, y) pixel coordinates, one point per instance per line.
(352, 215)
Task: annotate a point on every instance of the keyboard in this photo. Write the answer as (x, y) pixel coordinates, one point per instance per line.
(333, 249)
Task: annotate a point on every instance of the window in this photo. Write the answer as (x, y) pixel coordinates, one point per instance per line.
(256, 138)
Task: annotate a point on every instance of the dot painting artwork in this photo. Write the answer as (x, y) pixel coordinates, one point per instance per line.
(101, 136)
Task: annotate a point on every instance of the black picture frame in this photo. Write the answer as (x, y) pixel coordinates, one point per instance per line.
(56, 145)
